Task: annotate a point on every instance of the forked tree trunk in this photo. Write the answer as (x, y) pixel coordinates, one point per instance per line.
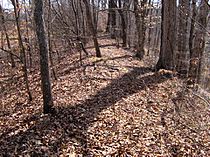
(168, 35)
(22, 48)
(44, 56)
(78, 26)
(92, 28)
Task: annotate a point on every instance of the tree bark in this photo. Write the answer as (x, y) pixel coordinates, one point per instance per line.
(22, 48)
(92, 28)
(192, 26)
(7, 36)
(123, 23)
(49, 40)
(149, 13)
(44, 56)
(168, 35)
(140, 13)
(184, 12)
(111, 24)
(199, 43)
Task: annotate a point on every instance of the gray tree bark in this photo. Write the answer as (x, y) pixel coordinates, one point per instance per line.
(44, 56)
(92, 28)
(184, 12)
(15, 3)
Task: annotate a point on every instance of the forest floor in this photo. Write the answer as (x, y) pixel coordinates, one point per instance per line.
(109, 106)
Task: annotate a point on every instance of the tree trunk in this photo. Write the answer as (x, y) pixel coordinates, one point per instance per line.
(168, 35)
(184, 12)
(199, 43)
(92, 28)
(206, 61)
(7, 36)
(22, 48)
(123, 23)
(111, 24)
(78, 27)
(49, 40)
(27, 38)
(192, 26)
(149, 13)
(140, 13)
(44, 56)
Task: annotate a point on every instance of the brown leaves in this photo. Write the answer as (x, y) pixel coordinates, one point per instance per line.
(114, 107)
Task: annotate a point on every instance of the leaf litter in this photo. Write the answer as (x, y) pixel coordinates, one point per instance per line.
(109, 106)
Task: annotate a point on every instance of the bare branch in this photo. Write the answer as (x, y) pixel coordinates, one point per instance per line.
(9, 52)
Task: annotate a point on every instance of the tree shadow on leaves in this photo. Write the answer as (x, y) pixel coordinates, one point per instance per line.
(48, 134)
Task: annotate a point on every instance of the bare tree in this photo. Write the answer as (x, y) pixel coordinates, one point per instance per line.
(7, 36)
(49, 39)
(168, 35)
(44, 56)
(111, 24)
(184, 12)
(92, 28)
(199, 43)
(140, 13)
(192, 25)
(15, 4)
(122, 5)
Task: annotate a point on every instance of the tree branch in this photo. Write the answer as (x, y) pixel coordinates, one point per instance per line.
(7, 51)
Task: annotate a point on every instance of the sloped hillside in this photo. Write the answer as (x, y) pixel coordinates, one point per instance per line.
(109, 106)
